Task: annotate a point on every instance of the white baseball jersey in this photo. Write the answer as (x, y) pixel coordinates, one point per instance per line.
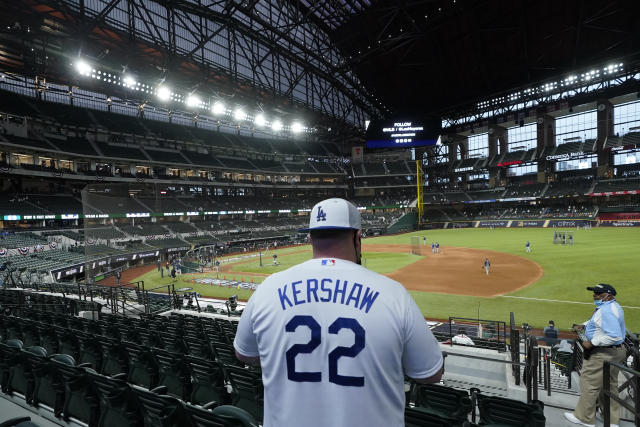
(334, 339)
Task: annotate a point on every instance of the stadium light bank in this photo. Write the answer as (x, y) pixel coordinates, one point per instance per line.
(190, 100)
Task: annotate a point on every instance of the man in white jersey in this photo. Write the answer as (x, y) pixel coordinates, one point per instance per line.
(334, 339)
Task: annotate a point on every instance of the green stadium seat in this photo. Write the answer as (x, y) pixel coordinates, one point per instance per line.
(201, 417)
(416, 417)
(8, 353)
(247, 390)
(49, 385)
(81, 399)
(143, 366)
(500, 411)
(114, 358)
(173, 373)
(90, 350)
(235, 416)
(442, 401)
(208, 381)
(118, 405)
(160, 410)
(21, 376)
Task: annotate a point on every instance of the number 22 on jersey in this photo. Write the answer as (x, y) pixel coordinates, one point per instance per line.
(333, 357)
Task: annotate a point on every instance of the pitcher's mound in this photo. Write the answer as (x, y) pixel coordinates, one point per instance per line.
(460, 271)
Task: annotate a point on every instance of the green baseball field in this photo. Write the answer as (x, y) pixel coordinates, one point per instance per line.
(546, 284)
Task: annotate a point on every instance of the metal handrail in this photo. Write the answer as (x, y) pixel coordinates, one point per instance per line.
(608, 395)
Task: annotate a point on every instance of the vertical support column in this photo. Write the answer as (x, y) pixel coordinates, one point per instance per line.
(459, 143)
(605, 128)
(546, 137)
(497, 144)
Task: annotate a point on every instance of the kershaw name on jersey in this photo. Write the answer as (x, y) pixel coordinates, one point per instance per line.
(327, 290)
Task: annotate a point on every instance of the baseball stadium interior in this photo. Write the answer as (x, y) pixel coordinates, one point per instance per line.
(146, 138)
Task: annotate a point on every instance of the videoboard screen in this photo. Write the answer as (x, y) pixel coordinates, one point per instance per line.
(401, 133)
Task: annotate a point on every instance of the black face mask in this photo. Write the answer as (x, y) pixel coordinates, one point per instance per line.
(355, 248)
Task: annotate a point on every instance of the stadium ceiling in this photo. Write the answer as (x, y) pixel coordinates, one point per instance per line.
(434, 55)
(266, 51)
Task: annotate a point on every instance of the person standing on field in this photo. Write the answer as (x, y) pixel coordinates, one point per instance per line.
(486, 265)
(333, 338)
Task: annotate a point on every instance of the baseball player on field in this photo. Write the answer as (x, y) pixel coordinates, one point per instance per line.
(487, 265)
(528, 246)
(334, 339)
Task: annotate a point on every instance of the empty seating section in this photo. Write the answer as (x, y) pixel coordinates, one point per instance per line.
(201, 159)
(136, 246)
(58, 204)
(167, 243)
(236, 163)
(215, 139)
(254, 144)
(374, 169)
(102, 233)
(569, 188)
(316, 149)
(11, 102)
(189, 359)
(285, 147)
(160, 204)
(19, 205)
(457, 196)
(358, 169)
(42, 262)
(76, 145)
(114, 204)
(180, 227)
(147, 229)
(92, 251)
(322, 167)
(299, 167)
(118, 123)
(331, 148)
(268, 165)
(486, 195)
(530, 190)
(122, 152)
(399, 167)
(63, 113)
(19, 240)
(617, 185)
(165, 156)
(167, 130)
(73, 235)
(27, 142)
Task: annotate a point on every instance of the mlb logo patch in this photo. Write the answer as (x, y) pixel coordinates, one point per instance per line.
(328, 262)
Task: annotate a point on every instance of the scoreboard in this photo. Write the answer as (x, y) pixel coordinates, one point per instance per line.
(402, 133)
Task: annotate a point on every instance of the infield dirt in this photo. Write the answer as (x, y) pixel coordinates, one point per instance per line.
(460, 271)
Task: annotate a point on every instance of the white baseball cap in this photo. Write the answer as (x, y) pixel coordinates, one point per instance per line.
(334, 214)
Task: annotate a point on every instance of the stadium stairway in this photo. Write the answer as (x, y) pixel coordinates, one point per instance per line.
(495, 379)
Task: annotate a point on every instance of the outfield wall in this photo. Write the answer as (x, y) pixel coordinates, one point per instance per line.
(513, 223)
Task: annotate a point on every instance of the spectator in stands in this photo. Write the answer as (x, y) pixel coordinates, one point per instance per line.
(341, 303)
(551, 334)
(462, 338)
(603, 340)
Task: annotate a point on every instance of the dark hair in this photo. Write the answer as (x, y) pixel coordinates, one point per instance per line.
(461, 331)
(551, 322)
